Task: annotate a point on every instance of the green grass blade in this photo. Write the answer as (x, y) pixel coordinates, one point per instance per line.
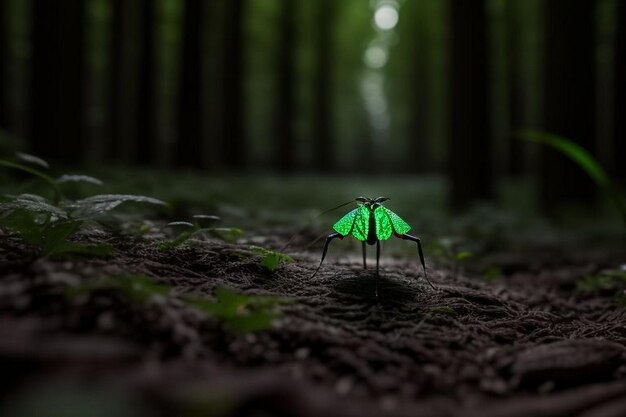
(581, 157)
(573, 151)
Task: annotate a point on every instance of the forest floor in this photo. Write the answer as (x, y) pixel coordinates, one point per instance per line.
(119, 335)
(524, 346)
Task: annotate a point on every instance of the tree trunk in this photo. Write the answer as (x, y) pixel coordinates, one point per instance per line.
(4, 58)
(283, 124)
(470, 153)
(569, 98)
(190, 152)
(123, 71)
(515, 94)
(147, 96)
(420, 158)
(619, 150)
(116, 59)
(323, 126)
(57, 90)
(233, 148)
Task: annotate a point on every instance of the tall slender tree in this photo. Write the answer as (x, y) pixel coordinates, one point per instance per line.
(4, 58)
(233, 146)
(323, 126)
(619, 147)
(57, 88)
(569, 97)
(515, 88)
(122, 91)
(284, 114)
(189, 151)
(420, 159)
(147, 96)
(116, 58)
(470, 150)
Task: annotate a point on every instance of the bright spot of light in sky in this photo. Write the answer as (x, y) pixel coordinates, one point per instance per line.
(386, 17)
(375, 57)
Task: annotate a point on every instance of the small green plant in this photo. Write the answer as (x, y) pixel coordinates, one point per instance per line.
(463, 256)
(449, 249)
(584, 160)
(144, 228)
(51, 237)
(612, 281)
(271, 259)
(492, 274)
(200, 226)
(138, 288)
(241, 313)
(50, 224)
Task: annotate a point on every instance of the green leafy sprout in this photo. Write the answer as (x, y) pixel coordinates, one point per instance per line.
(271, 259)
(612, 281)
(51, 237)
(492, 274)
(138, 288)
(449, 249)
(50, 224)
(240, 313)
(199, 227)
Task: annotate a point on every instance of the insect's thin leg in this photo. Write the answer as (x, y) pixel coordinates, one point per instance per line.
(364, 251)
(329, 238)
(377, 262)
(420, 251)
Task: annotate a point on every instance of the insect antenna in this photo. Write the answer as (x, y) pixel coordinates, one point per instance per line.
(309, 222)
(317, 239)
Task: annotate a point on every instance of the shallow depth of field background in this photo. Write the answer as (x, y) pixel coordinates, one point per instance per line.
(436, 92)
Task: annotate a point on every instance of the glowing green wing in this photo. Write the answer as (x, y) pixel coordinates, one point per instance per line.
(361, 223)
(344, 225)
(399, 225)
(383, 223)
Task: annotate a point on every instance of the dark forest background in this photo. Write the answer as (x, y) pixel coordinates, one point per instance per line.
(378, 87)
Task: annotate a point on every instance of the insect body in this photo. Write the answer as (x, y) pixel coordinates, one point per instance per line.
(371, 223)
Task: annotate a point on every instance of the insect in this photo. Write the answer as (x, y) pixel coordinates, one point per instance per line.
(372, 223)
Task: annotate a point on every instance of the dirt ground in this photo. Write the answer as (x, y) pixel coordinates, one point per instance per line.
(524, 345)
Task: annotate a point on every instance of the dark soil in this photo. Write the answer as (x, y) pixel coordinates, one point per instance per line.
(525, 345)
